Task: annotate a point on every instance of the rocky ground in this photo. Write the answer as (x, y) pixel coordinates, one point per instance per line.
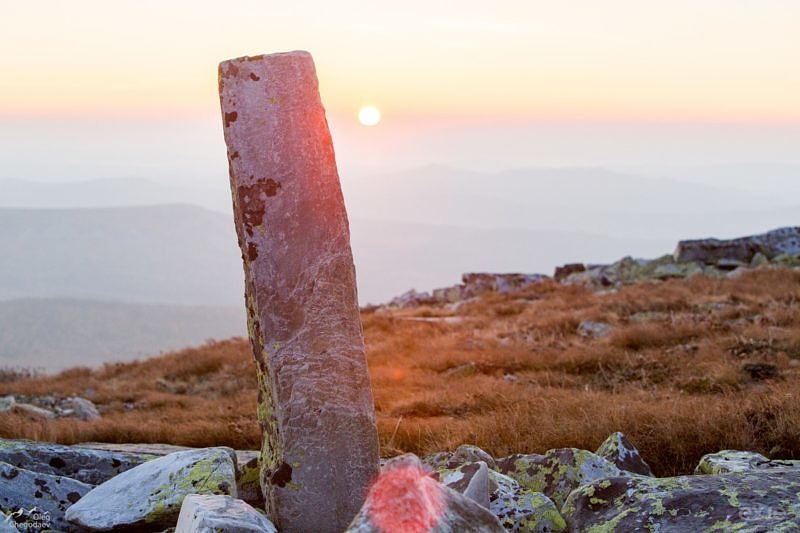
(688, 354)
(92, 487)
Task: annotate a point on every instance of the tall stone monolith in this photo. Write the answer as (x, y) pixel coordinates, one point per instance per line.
(320, 442)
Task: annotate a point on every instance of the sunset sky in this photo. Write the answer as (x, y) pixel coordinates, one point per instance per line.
(506, 76)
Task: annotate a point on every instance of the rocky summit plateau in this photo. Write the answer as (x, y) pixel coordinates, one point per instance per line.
(162, 487)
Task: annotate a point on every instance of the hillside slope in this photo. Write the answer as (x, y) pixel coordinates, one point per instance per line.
(687, 367)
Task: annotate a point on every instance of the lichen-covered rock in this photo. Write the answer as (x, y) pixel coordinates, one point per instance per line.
(558, 472)
(406, 499)
(83, 464)
(468, 453)
(214, 514)
(619, 450)
(316, 411)
(248, 486)
(728, 461)
(756, 501)
(22, 489)
(149, 496)
(438, 460)
(470, 479)
(743, 249)
(523, 510)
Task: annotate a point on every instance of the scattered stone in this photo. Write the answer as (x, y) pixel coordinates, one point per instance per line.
(558, 472)
(85, 465)
(751, 502)
(761, 371)
(743, 249)
(213, 514)
(22, 490)
(149, 496)
(461, 371)
(437, 461)
(83, 409)
(758, 260)
(405, 498)
(316, 411)
(523, 510)
(448, 295)
(468, 453)
(727, 265)
(6, 403)
(594, 330)
(619, 450)
(32, 412)
(477, 283)
(470, 479)
(411, 298)
(730, 461)
(564, 271)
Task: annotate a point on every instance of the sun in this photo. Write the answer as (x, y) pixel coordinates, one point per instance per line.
(369, 115)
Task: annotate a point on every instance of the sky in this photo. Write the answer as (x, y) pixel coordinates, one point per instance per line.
(93, 88)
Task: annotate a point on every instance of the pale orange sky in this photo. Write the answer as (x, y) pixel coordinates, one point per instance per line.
(709, 60)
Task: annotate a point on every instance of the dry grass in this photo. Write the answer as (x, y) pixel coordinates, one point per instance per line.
(511, 375)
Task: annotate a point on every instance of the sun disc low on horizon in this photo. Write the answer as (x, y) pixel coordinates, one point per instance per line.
(369, 115)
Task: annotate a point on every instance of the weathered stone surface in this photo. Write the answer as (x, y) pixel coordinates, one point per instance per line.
(83, 464)
(757, 501)
(523, 510)
(477, 283)
(562, 272)
(406, 499)
(470, 479)
(320, 443)
(558, 472)
(213, 514)
(729, 461)
(743, 249)
(22, 489)
(248, 486)
(149, 496)
(619, 450)
(6, 524)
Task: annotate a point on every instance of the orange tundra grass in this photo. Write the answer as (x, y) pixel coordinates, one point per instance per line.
(512, 374)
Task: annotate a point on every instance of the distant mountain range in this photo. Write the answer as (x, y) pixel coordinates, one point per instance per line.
(59, 333)
(130, 244)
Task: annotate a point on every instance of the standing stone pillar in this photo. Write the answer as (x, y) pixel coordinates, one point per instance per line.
(320, 442)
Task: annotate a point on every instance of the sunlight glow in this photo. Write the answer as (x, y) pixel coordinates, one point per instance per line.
(369, 115)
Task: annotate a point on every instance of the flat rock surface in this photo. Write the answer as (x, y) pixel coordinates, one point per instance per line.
(757, 501)
(150, 495)
(83, 464)
(213, 514)
(22, 490)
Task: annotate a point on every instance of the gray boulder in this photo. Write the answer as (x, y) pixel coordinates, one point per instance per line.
(594, 330)
(468, 453)
(523, 510)
(6, 403)
(470, 479)
(248, 486)
(743, 249)
(23, 490)
(85, 465)
(406, 498)
(558, 472)
(82, 409)
(619, 450)
(217, 513)
(756, 501)
(729, 461)
(32, 412)
(149, 496)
